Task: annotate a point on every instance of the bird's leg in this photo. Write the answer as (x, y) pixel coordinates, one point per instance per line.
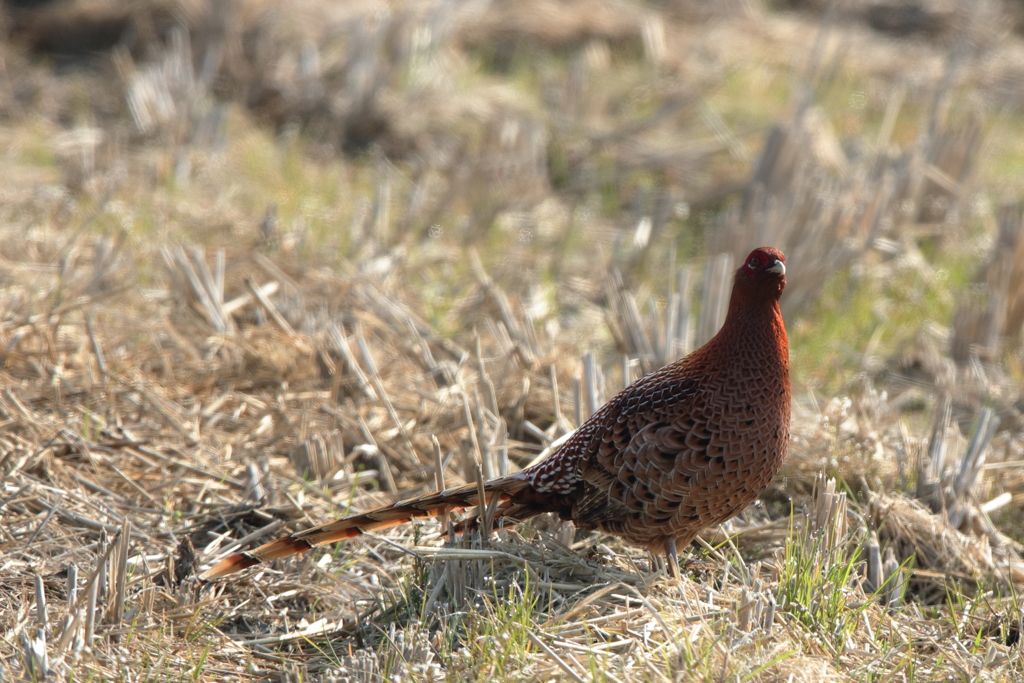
(672, 558)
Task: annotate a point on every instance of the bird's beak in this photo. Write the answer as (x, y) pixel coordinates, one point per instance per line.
(779, 268)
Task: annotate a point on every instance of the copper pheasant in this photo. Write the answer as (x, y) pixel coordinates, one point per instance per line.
(681, 449)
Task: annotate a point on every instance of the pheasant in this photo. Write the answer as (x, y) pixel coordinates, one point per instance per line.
(682, 448)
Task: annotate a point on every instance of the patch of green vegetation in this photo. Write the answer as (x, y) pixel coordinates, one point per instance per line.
(751, 99)
(608, 188)
(1002, 163)
(828, 342)
(815, 586)
(406, 600)
(35, 146)
(440, 290)
(312, 193)
(496, 636)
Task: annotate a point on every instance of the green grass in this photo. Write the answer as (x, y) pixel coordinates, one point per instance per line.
(856, 315)
(753, 98)
(816, 587)
(495, 637)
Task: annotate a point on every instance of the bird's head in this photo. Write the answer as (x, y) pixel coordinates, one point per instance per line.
(763, 273)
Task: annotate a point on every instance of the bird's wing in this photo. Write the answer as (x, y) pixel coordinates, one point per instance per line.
(650, 457)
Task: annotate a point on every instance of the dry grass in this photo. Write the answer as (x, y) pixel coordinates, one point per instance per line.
(259, 267)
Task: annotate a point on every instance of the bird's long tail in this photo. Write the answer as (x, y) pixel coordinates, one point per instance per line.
(379, 518)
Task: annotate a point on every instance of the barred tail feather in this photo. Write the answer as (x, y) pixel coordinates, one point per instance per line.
(374, 520)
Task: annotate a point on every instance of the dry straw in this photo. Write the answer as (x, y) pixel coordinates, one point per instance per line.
(171, 398)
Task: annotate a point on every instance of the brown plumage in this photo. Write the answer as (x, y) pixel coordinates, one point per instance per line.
(681, 449)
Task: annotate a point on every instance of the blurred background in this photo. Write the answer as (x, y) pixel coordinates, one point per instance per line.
(584, 151)
(285, 244)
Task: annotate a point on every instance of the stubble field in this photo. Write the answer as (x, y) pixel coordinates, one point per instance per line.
(262, 264)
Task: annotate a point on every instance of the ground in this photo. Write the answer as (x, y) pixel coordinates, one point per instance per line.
(264, 263)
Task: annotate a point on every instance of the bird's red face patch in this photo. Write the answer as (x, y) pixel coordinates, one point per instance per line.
(764, 270)
(757, 259)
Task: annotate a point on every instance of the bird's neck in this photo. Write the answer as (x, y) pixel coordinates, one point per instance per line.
(754, 332)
